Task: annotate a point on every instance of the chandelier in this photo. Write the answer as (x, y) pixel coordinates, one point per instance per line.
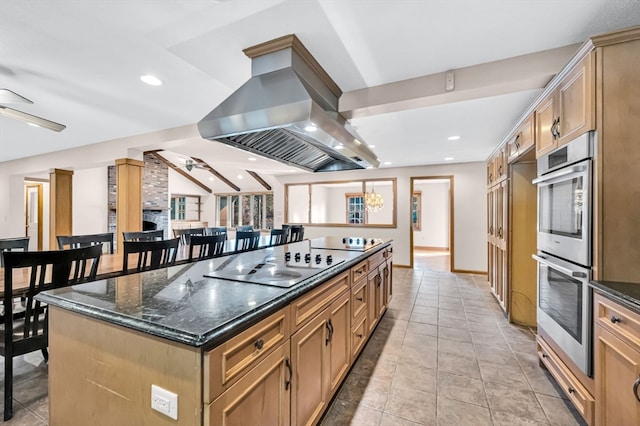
(373, 201)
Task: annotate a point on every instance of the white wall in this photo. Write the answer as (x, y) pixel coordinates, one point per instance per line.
(434, 229)
(178, 184)
(469, 216)
(90, 196)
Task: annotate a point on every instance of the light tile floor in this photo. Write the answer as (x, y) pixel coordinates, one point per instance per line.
(445, 354)
(442, 354)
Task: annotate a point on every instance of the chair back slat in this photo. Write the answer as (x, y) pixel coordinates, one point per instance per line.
(151, 254)
(216, 230)
(247, 240)
(77, 241)
(296, 233)
(10, 244)
(144, 235)
(208, 246)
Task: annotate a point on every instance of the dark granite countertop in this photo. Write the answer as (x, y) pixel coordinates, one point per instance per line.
(180, 304)
(626, 293)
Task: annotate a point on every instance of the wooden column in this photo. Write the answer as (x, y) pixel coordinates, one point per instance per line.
(128, 197)
(60, 205)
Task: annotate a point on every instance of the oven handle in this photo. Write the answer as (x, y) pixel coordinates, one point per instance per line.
(577, 274)
(560, 173)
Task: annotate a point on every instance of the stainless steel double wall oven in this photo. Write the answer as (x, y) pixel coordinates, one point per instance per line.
(564, 248)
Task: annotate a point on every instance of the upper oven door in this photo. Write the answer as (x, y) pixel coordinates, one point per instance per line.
(564, 213)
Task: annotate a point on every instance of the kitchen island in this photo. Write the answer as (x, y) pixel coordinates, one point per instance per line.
(231, 350)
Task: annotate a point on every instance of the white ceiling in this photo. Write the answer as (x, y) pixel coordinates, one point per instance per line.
(80, 62)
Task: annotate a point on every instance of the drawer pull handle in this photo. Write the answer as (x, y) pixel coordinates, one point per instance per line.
(329, 327)
(571, 390)
(636, 384)
(545, 356)
(287, 383)
(360, 299)
(614, 319)
(259, 344)
(359, 335)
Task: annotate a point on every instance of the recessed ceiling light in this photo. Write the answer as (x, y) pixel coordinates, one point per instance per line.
(386, 163)
(453, 138)
(239, 176)
(448, 158)
(310, 128)
(151, 80)
(339, 146)
(211, 178)
(357, 142)
(372, 146)
(252, 159)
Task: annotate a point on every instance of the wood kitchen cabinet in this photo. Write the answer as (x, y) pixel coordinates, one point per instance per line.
(617, 363)
(497, 220)
(520, 143)
(262, 396)
(321, 354)
(569, 110)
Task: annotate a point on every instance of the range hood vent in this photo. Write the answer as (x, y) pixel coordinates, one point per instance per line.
(288, 111)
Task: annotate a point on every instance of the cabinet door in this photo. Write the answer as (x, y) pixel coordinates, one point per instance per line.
(503, 230)
(388, 281)
(617, 374)
(261, 397)
(310, 373)
(372, 307)
(339, 341)
(544, 120)
(575, 102)
(490, 215)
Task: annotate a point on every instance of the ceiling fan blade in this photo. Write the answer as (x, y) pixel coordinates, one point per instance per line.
(33, 119)
(10, 97)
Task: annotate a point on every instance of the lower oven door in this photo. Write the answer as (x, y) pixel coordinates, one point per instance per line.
(564, 308)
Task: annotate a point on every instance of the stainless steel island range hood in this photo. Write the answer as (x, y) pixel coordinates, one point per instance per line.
(288, 111)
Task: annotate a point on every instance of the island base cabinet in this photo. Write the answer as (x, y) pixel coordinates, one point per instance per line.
(261, 397)
(321, 356)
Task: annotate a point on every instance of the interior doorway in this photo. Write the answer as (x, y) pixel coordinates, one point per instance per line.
(432, 223)
(34, 214)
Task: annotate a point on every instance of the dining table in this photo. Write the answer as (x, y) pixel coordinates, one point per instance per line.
(110, 265)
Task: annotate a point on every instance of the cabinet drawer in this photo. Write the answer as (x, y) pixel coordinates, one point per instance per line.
(620, 321)
(359, 335)
(575, 391)
(228, 362)
(309, 305)
(359, 296)
(376, 259)
(359, 271)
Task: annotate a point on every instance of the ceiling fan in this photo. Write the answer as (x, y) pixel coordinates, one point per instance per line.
(189, 164)
(7, 97)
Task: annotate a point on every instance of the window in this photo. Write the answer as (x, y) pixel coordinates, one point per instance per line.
(416, 206)
(185, 207)
(255, 209)
(355, 209)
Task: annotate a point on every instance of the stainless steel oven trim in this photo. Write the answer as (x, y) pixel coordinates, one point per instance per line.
(560, 173)
(576, 250)
(580, 354)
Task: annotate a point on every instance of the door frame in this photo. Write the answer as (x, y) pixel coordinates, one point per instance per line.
(39, 187)
(451, 232)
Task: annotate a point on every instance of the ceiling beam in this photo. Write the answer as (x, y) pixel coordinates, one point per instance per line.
(520, 73)
(159, 156)
(259, 179)
(203, 165)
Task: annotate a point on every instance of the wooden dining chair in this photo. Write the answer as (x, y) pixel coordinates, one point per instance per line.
(186, 233)
(247, 240)
(151, 254)
(296, 233)
(278, 237)
(77, 241)
(9, 244)
(143, 235)
(208, 246)
(46, 270)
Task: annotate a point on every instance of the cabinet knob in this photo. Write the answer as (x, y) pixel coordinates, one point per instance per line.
(614, 319)
(359, 335)
(545, 356)
(359, 299)
(571, 390)
(259, 344)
